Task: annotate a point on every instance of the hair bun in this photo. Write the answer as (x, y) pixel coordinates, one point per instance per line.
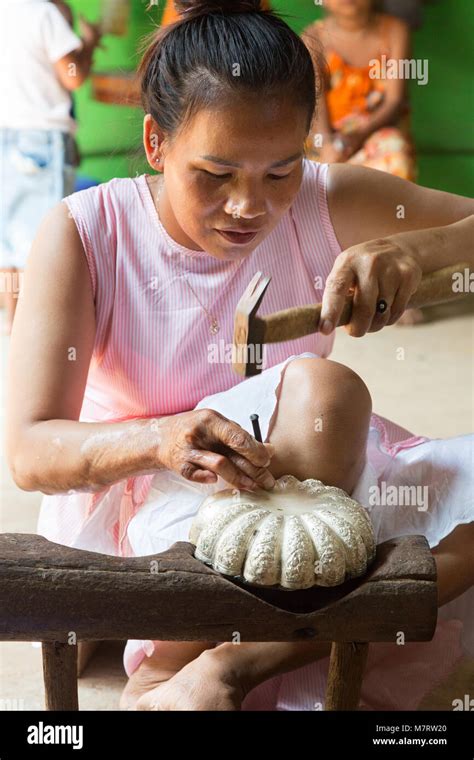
(193, 8)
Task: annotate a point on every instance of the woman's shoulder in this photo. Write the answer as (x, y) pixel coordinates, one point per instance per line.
(313, 186)
(313, 177)
(312, 195)
(310, 211)
(111, 187)
(108, 198)
(102, 210)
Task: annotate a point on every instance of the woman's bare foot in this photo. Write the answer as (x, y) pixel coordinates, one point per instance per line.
(202, 684)
(146, 677)
(411, 317)
(167, 659)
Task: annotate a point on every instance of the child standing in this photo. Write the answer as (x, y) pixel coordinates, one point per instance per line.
(43, 60)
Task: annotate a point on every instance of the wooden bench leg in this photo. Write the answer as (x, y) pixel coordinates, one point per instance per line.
(346, 670)
(60, 675)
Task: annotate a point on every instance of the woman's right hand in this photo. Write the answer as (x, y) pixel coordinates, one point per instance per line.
(202, 444)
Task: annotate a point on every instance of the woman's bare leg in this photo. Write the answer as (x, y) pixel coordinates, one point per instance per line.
(321, 423)
(323, 408)
(313, 391)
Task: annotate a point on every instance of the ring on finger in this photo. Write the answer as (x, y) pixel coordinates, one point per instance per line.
(381, 316)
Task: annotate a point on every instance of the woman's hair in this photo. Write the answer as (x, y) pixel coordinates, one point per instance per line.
(218, 49)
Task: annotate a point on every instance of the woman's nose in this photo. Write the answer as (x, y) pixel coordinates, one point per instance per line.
(247, 208)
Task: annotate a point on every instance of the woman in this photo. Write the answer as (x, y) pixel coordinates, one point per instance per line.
(127, 398)
(363, 117)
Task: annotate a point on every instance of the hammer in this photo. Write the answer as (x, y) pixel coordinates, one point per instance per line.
(251, 332)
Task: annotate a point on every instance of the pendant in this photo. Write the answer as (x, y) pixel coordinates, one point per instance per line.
(214, 326)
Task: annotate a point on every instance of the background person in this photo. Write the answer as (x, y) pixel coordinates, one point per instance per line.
(362, 119)
(43, 60)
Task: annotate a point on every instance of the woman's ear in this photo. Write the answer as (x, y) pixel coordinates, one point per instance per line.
(153, 142)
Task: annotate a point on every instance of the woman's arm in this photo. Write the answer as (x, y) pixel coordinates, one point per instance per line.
(391, 231)
(51, 348)
(52, 342)
(365, 204)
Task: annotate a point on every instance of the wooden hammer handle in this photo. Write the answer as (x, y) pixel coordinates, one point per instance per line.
(435, 287)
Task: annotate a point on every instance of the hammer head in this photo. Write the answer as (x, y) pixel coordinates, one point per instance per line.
(249, 330)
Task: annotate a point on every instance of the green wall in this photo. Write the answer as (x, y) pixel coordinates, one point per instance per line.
(109, 136)
(443, 110)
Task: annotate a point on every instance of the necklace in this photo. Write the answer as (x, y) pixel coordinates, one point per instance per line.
(214, 325)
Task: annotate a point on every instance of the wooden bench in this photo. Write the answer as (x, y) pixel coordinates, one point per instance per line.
(57, 595)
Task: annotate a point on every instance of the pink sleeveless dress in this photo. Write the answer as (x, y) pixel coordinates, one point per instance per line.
(154, 355)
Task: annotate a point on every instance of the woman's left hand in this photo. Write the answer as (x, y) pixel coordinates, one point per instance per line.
(374, 270)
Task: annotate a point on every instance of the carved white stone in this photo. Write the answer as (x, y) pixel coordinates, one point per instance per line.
(298, 535)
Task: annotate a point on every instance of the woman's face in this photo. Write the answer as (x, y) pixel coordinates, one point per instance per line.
(348, 8)
(236, 168)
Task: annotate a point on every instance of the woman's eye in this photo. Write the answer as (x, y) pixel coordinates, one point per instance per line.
(226, 176)
(216, 176)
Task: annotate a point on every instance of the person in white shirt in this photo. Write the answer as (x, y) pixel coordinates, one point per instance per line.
(42, 61)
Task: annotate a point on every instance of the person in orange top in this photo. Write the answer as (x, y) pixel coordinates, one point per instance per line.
(171, 15)
(364, 117)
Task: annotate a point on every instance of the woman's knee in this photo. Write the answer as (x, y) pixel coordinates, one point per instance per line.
(322, 423)
(325, 385)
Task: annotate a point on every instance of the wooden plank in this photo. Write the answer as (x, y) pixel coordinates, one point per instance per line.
(48, 590)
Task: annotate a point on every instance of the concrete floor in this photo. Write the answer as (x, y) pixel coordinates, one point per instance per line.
(430, 391)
